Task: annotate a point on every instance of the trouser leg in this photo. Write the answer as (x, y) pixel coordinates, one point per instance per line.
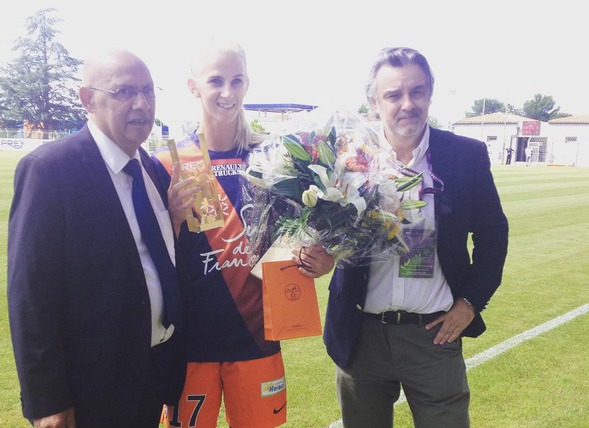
(366, 388)
(434, 381)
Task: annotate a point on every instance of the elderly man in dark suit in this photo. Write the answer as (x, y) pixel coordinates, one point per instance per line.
(386, 329)
(92, 321)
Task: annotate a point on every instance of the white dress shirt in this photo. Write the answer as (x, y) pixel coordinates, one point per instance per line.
(386, 289)
(116, 159)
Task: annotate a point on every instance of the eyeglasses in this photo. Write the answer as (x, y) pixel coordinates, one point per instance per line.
(127, 93)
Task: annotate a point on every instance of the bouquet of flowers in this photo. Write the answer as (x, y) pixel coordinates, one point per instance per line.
(331, 185)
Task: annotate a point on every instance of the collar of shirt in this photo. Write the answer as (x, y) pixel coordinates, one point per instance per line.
(418, 153)
(113, 155)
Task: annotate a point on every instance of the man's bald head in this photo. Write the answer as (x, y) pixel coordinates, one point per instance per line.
(118, 94)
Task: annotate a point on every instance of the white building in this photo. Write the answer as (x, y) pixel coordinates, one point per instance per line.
(503, 132)
(569, 140)
(563, 141)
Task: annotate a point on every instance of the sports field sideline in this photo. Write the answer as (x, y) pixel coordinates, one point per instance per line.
(506, 345)
(530, 369)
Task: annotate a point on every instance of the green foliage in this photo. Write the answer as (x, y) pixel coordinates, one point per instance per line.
(39, 86)
(512, 110)
(560, 114)
(541, 107)
(486, 106)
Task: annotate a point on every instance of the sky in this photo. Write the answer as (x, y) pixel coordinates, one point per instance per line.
(320, 51)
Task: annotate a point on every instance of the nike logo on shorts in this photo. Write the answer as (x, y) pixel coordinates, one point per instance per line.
(280, 409)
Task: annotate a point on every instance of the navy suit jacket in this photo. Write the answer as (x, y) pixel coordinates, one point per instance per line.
(469, 205)
(79, 307)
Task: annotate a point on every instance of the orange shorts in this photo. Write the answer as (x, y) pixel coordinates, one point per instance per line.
(253, 391)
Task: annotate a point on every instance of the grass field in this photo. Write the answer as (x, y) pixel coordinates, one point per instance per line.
(542, 383)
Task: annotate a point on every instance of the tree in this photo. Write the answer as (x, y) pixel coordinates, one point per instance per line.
(541, 108)
(560, 114)
(512, 110)
(485, 106)
(39, 87)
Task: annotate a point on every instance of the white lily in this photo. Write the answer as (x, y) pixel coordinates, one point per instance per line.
(341, 188)
(311, 195)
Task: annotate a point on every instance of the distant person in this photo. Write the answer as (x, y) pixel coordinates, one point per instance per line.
(389, 329)
(509, 155)
(92, 332)
(229, 360)
(529, 153)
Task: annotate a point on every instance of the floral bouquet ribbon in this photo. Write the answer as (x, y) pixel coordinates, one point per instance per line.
(329, 183)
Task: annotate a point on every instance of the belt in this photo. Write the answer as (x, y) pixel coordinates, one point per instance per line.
(403, 317)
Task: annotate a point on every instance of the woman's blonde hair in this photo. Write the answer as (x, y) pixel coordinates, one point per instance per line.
(245, 137)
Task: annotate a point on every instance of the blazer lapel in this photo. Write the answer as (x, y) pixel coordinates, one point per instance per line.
(443, 165)
(111, 206)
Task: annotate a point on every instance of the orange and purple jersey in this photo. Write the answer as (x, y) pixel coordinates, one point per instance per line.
(225, 315)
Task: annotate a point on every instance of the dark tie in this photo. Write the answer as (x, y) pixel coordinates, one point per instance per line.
(152, 236)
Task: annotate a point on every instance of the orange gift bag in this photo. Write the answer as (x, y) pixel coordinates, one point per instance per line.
(290, 302)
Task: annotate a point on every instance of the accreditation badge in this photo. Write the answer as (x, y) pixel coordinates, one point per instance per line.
(419, 261)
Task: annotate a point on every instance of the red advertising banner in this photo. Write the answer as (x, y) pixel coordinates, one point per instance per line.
(531, 127)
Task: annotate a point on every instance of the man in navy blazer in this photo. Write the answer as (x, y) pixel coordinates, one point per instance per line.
(85, 302)
(384, 330)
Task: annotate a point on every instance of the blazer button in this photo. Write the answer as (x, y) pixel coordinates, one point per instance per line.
(359, 307)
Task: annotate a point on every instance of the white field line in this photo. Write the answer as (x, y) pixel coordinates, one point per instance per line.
(506, 345)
